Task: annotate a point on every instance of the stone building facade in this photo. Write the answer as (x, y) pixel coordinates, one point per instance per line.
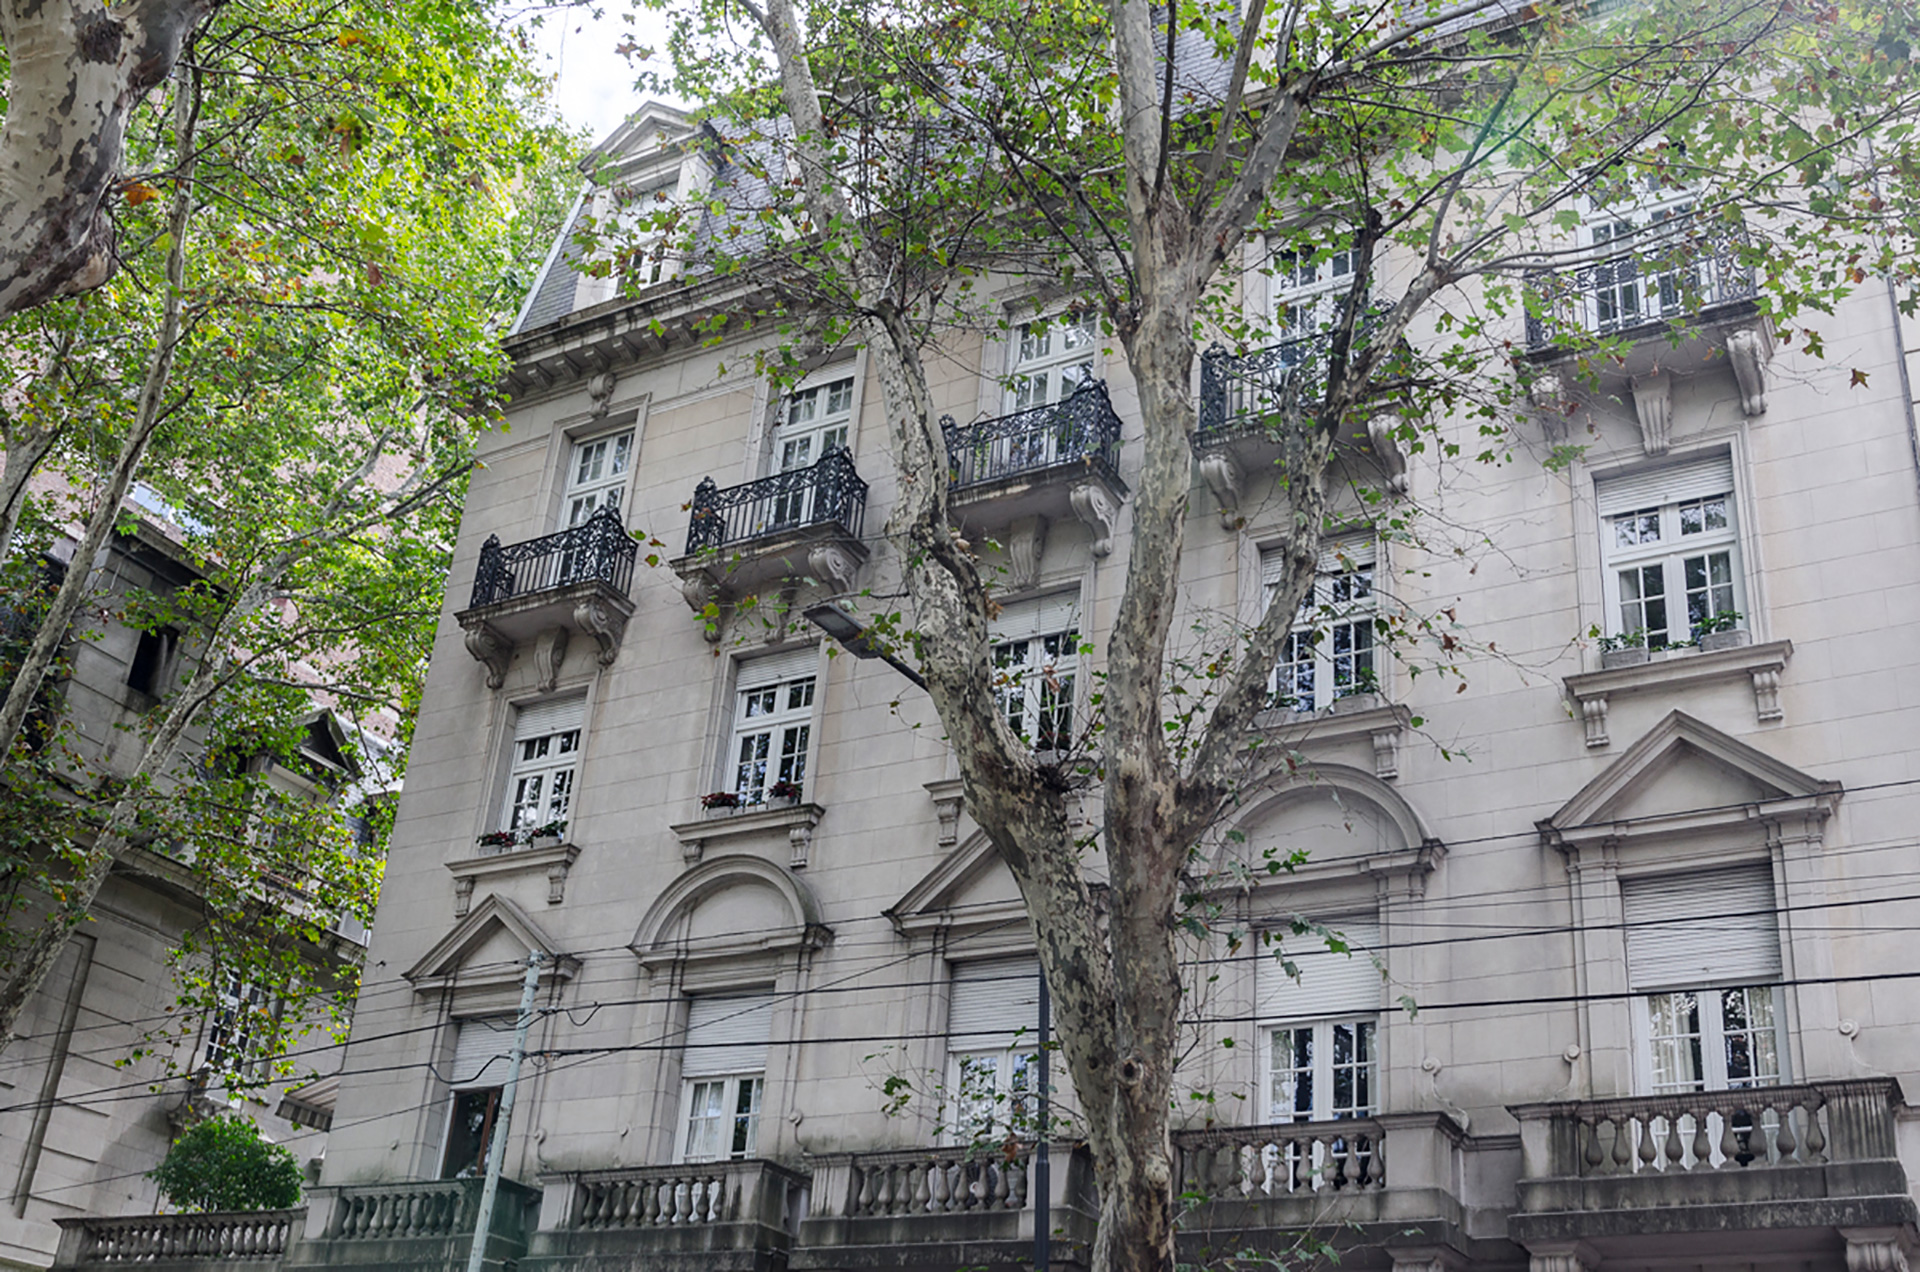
(1635, 984)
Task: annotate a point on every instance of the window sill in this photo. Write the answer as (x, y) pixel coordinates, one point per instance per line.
(557, 861)
(797, 820)
(1384, 724)
(1591, 691)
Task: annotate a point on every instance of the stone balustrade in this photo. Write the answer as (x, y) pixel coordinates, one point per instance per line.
(938, 1181)
(220, 1237)
(1274, 1161)
(689, 1195)
(440, 1209)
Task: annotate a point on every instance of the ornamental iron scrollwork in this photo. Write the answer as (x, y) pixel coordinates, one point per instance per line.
(1244, 392)
(1081, 430)
(829, 492)
(598, 550)
(1680, 266)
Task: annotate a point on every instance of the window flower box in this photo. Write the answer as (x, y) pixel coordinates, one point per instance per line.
(1734, 638)
(1631, 656)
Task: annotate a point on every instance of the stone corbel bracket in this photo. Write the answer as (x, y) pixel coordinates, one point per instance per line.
(948, 800)
(556, 863)
(491, 648)
(1387, 452)
(1750, 349)
(607, 624)
(1223, 476)
(549, 653)
(796, 820)
(1592, 692)
(1095, 505)
(1653, 404)
(1026, 541)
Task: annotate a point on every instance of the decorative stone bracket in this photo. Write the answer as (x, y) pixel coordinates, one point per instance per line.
(1387, 452)
(1382, 725)
(1026, 541)
(1223, 475)
(545, 622)
(1592, 692)
(1750, 349)
(1094, 503)
(469, 871)
(822, 554)
(1653, 404)
(947, 804)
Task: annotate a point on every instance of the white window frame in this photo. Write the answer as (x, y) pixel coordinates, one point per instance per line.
(1657, 220)
(1652, 544)
(776, 711)
(597, 472)
(728, 1118)
(1343, 609)
(990, 1103)
(1712, 1039)
(1048, 360)
(230, 1027)
(1305, 289)
(1322, 1073)
(550, 758)
(1036, 671)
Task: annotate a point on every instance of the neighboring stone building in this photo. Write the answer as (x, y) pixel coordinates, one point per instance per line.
(1654, 905)
(81, 1123)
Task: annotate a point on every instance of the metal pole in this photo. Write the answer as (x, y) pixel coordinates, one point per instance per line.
(497, 1138)
(1042, 1180)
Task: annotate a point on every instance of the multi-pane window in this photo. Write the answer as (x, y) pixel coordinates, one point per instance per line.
(546, 756)
(1657, 271)
(597, 475)
(1330, 651)
(1036, 648)
(1670, 543)
(1703, 950)
(1321, 1028)
(772, 723)
(1051, 359)
(724, 1068)
(993, 1021)
(816, 419)
(240, 1008)
(1323, 1071)
(1307, 290)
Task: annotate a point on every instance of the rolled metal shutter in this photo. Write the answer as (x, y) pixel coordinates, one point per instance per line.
(993, 1001)
(1330, 984)
(1692, 480)
(1709, 927)
(770, 669)
(727, 1035)
(482, 1046)
(1041, 616)
(537, 720)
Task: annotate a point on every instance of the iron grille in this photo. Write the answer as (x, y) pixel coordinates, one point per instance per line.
(599, 549)
(828, 492)
(1683, 266)
(1240, 392)
(1080, 429)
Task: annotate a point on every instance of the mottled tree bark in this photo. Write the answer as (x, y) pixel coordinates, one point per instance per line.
(77, 70)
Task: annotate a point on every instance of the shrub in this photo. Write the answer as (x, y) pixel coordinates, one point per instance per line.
(224, 1164)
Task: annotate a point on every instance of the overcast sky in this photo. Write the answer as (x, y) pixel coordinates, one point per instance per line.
(595, 89)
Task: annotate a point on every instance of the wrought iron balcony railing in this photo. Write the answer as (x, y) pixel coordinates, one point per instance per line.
(1677, 267)
(1081, 429)
(1240, 393)
(827, 493)
(599, 549)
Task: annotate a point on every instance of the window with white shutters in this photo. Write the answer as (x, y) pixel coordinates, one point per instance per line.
(1329, 653)
(1670, 543)
(546, 757)
(1036, 650)
(772, 725)
(482, 1048)
(993, 1035)
(1321, 1029)
(1703, 950)
(724, 1066)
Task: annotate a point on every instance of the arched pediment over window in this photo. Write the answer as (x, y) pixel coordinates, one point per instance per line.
(1357, 831)
(728, 909)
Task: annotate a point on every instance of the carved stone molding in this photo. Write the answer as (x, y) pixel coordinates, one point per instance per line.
(1387, 452)
(1026, 541)
(1383, 725)
(607, 626)
(1750, 349)
(1548, 392)
(600, 389)
(1592, 691)
(489, 647)
(1386, 753)
(752, 822)
(947, 802)
(799, 844)
(556, 863)
(1653, 403)
(1573, 1256)
(1221, 472)
(1876, 1249)
(832, 564)
(1095, 505)
(549, 654)
(699, 590)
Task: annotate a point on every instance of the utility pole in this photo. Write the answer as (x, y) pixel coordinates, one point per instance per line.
(1042, 1181)
(497, 1140)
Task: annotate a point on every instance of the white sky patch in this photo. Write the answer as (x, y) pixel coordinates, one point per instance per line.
(579, 44)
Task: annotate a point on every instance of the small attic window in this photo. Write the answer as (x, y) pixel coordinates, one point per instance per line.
(152, 658)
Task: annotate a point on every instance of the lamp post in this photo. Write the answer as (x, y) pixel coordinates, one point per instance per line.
(855, 637)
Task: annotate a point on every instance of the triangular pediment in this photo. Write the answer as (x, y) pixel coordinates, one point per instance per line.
(1683, 768)
(490, 945)
(970, 887)
(654, 129)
